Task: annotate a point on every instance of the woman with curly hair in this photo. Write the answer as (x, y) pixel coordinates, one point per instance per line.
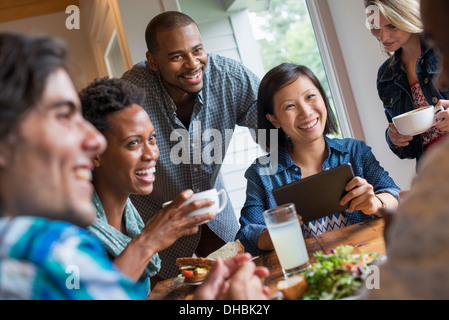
(128, 167)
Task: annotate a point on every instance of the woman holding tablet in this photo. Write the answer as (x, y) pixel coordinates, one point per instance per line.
(292, 100)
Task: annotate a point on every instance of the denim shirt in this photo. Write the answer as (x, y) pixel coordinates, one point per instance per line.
(394, 90)
(259, 195)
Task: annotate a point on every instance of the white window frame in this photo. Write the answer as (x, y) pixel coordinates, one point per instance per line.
(113, 57)
(335, 68)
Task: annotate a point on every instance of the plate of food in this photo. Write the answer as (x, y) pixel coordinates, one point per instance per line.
(334, 276)
(194, 269)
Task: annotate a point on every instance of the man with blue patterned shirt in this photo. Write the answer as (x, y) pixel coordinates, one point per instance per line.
(194, 100)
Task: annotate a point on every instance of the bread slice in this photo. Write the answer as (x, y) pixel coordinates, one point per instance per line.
(227, 251)
(196, 262)
(293, 287)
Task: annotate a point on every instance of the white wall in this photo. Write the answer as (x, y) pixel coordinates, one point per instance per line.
(136, 15)
(226, 33)
(362, 56)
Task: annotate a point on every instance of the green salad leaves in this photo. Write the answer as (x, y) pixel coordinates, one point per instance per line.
(337, 275)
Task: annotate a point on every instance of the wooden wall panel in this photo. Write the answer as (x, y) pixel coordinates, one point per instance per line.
(20, 9)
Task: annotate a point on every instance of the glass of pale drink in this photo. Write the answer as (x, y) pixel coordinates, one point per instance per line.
(286, 235)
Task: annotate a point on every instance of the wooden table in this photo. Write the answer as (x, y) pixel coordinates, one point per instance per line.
(365, 236)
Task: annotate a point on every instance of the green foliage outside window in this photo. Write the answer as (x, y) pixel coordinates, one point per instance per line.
(288, 36)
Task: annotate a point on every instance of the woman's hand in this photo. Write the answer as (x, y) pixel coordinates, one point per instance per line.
(168, 225)
(442, 117)
(396, 138)
(361, 197)
(172, 223)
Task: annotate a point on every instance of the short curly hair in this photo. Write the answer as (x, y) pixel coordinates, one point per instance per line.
(166, 21)
(108, 95)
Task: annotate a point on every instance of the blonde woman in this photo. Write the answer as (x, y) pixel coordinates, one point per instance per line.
(406, 80)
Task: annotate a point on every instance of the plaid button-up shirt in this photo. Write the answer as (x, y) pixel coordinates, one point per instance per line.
(190, 158)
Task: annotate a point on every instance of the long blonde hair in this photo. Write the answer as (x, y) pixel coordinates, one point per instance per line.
(403, 14)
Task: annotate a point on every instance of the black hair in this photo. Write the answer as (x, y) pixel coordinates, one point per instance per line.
(165, 21)
(25, 63)
(278, 78)
(108, 95)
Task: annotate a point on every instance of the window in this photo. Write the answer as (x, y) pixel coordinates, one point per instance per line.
(113, 58)
(284, 33)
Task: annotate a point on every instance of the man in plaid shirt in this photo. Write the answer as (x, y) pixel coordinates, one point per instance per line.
(194, 100)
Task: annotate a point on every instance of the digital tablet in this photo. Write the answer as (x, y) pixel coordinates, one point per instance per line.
(317, 196)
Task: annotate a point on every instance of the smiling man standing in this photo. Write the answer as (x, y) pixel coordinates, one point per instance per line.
(192, 97)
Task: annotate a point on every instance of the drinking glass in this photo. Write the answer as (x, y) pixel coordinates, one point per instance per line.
(286, 235)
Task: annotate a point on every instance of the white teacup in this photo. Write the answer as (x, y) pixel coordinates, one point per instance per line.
(416, 121)
(211, 194)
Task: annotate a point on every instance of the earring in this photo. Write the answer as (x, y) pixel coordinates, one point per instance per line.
(96, 162)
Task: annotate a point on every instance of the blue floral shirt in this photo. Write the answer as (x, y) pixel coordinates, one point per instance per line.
(259, 195)
(42, 259)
